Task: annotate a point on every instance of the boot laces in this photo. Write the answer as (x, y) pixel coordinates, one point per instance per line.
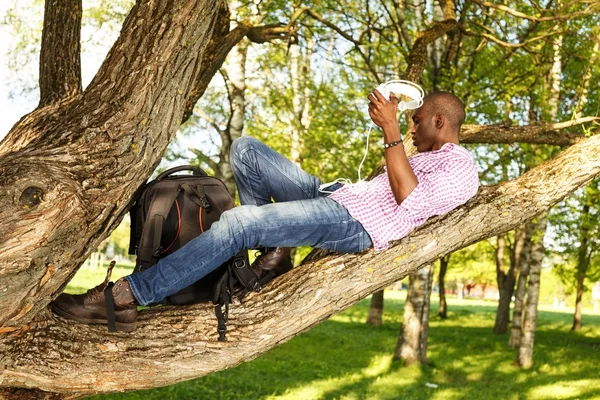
(98, 291)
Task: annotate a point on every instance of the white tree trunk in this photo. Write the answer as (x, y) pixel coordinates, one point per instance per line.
(525, 356)
(235, 72)
(412, 342)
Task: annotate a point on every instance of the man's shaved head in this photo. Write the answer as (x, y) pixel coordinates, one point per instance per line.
(448, 105)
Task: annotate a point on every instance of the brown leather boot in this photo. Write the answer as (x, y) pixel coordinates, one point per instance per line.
(276, 259)
(90, 308)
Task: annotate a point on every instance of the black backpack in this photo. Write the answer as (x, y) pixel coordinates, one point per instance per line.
(172, 210)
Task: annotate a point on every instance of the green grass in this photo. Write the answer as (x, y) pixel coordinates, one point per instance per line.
(343, 358)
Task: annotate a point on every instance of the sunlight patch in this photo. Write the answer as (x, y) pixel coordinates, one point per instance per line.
(317, 389)
(564, 389)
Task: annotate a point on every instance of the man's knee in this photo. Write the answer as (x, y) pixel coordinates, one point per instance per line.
(241, 145)
(239, 225)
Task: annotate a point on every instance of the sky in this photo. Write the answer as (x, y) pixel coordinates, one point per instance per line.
(10, 109)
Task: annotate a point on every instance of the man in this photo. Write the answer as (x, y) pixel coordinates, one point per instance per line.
(353, 218)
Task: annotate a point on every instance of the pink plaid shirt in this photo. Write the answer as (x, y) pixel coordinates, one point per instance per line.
(447, 178)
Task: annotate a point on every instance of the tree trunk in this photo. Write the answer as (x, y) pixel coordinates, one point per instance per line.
(515, 330)
(376, 309)
(60, 60)
(578, 304)
(535, 231)
(412, 342)
(443, 312)
(86, 360)
(583, 261)
(235, 79)
(300, 69)
(503, 280)
(525, 356)
(507, 280)
(587, 76)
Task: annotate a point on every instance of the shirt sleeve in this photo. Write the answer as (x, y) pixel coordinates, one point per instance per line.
(438, 192)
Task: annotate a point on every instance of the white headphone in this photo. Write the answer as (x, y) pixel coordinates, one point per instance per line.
(401, 87)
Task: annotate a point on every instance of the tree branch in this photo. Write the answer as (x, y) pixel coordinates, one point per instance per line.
(85, 359)
(502, 43)
(60, 59)
(417, 58)
(535, 134)
(560, 17)
(203, 157)
(221, 44)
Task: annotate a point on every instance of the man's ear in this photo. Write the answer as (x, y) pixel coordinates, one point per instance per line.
(440, 120)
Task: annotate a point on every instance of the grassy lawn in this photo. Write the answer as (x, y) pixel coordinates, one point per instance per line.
(343, 358)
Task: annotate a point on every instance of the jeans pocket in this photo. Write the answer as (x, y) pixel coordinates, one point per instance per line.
(351, 244)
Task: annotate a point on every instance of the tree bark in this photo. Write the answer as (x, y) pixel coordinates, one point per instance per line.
(443, 312)
(577, 316)
(517, 319)
(235, 80)
(300, 69)
(525, 355)
(587, 76)
(583, 262)
(56, 355)
(503, 280)
(541, 133)
(507, 280)
(412, 342)
(60, 55)
(376, 310)
(535, 231)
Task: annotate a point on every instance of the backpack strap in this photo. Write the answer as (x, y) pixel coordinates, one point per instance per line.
(200, 198)
(243, 273)
(133, 216)
(221, 299)
(160, 206)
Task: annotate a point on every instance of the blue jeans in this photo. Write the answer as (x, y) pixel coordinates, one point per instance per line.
(300, 216)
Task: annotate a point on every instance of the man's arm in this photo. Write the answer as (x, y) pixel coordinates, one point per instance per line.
(402, 178)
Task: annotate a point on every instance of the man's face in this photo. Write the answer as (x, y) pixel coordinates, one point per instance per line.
(424, 132)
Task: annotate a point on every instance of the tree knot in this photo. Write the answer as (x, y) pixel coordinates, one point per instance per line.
(31, 197)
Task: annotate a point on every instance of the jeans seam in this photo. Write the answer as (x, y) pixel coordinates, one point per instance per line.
(135, 291)
(245, 173)
(258, 153)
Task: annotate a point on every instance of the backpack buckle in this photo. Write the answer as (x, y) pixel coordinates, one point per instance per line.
(157, 251)
(257, 287)
(222, 337)
(205, 204)
(239, 263)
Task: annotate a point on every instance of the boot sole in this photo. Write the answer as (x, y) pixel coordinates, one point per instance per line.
(121, 326)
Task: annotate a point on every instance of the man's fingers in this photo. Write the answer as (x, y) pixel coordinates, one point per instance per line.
(394, 99)
(373, 98)
(378, 95)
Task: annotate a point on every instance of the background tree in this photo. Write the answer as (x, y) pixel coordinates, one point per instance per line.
(576, 222)
(443, 309)
(534, 260)
(412, 342)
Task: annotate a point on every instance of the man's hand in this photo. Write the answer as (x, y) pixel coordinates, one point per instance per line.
(383, 112)
(400, 174)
